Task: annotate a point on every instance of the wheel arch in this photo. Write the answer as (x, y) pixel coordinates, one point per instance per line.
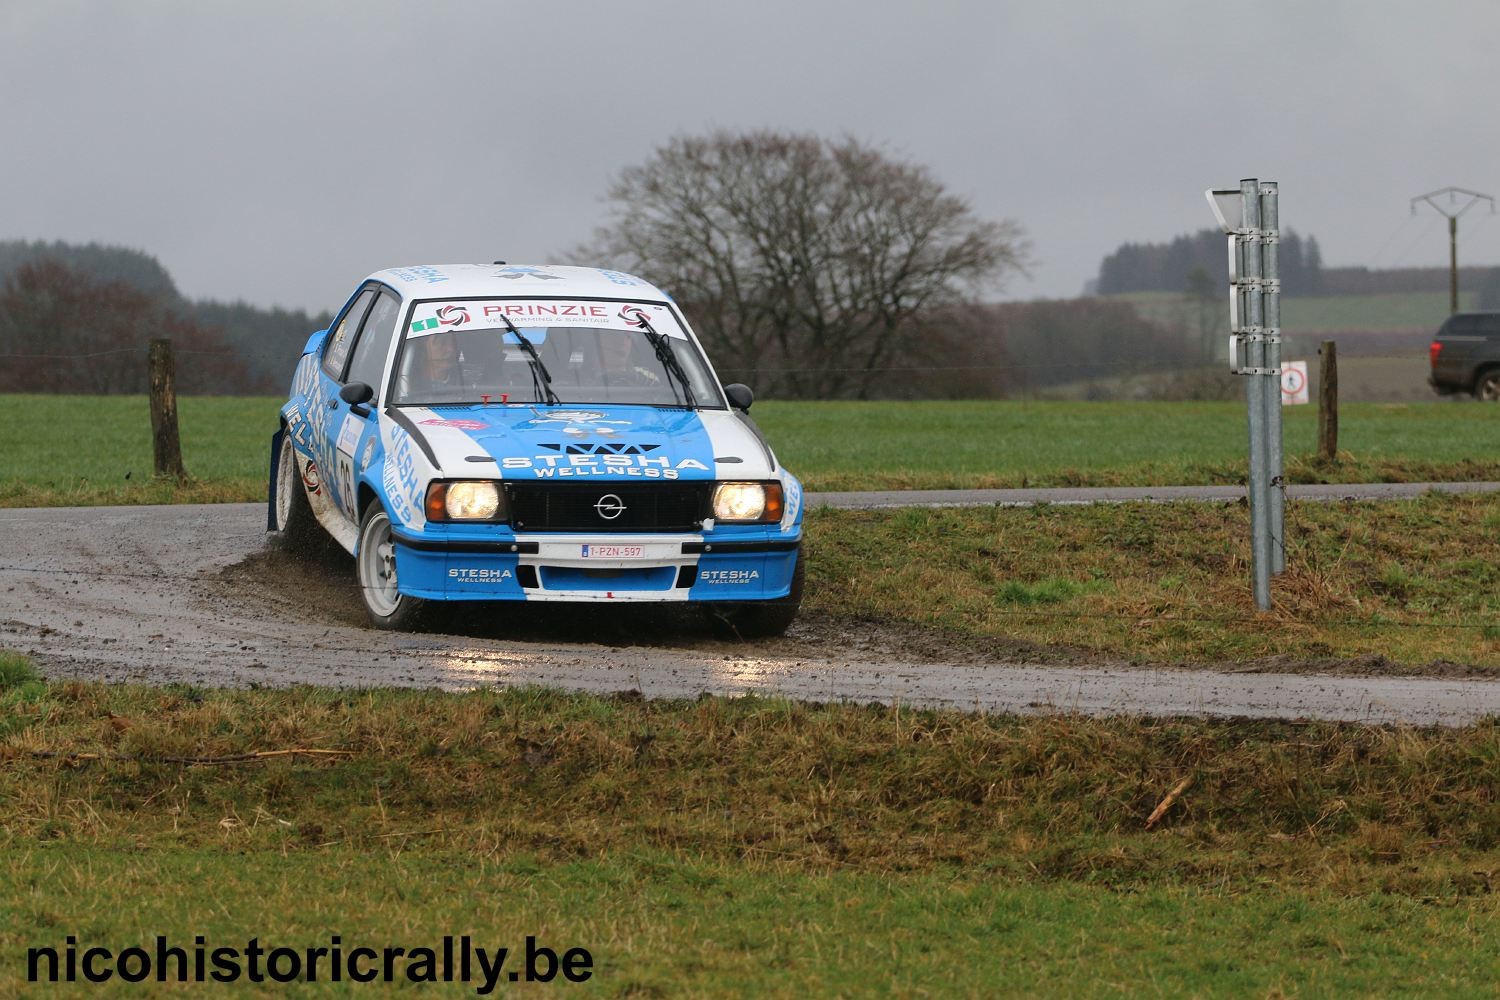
(1482, 371)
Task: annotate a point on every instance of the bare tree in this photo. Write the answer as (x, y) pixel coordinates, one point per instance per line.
(808, 261)
(63, 331)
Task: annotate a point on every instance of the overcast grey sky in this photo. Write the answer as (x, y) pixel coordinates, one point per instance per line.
(278, 151)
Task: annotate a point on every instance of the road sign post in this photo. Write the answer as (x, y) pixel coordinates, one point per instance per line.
(1250, 217)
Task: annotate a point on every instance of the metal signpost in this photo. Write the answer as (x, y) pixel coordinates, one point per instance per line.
(1251, 219)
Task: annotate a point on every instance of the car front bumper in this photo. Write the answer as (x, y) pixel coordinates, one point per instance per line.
(729, 565)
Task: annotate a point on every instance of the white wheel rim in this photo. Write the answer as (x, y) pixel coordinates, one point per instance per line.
(286, 481)
(377, 566)
(1490, 387)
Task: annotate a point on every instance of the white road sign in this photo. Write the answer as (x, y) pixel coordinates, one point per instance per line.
(1293, 382)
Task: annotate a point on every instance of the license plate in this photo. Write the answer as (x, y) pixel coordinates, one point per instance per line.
(613, 551)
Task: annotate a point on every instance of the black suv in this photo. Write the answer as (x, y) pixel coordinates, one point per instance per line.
(1466, 355)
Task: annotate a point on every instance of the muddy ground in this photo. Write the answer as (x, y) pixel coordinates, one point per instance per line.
(195, 595)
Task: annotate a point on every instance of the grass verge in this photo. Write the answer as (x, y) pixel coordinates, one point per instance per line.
(750, 845)
(1400, 582)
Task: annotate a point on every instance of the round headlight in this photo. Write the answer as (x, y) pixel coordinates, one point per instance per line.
(474, 501)
(739, 502)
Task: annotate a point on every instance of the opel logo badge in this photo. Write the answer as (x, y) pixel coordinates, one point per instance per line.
(610, 506)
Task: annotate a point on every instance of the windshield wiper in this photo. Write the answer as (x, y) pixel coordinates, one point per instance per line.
(668, 359)
(541, 378)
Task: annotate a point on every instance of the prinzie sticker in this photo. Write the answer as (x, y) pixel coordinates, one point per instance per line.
(463, 425)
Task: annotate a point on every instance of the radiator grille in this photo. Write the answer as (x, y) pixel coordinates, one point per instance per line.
(584, 506)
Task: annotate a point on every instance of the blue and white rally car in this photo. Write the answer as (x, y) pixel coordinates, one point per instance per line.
(504, 433)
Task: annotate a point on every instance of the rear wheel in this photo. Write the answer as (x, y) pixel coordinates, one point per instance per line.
(375, 566)
(757, 619)
(295, 525)
(1487, 387)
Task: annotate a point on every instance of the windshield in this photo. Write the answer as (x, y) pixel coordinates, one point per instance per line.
(585, 352)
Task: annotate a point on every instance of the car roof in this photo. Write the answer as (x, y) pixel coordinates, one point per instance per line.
(458, 281)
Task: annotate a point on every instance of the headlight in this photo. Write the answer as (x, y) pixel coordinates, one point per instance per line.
(464, 500)
(747, 502)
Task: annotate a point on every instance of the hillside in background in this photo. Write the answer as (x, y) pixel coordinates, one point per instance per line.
(61, 300)
(78, 319)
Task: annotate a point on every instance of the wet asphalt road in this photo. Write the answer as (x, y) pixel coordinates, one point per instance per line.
(137, 593)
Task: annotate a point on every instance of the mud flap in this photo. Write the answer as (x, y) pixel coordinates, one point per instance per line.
(276, 440)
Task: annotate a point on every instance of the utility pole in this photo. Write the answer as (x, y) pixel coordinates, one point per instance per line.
(1451, 212)
(1250, 216)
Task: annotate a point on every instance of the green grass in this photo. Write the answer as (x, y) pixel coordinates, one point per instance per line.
(1329, 313)
(659, 925)
(852, 445)
(67, 450)
(727, 846)
(1406, 582)
(70, 450)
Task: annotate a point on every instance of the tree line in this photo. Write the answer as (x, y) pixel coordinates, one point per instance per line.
(1171, 266)
(78, 318)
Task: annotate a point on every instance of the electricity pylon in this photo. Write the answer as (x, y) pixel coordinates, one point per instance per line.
(1474, 197)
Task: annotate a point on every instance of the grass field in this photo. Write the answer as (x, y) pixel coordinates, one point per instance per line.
(71, 450)
(726, 846)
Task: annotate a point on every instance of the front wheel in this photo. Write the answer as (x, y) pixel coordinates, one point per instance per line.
(375, 565)
(293, 524)
(1488, 386)
(757, 619)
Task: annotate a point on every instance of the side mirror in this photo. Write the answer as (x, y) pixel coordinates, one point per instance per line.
(739, 395)
(356, 394)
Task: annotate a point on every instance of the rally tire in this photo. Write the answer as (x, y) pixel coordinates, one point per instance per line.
(296, 527)
(375, 569)
(757, 619)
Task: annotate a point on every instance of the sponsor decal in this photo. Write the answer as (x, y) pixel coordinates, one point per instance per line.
(464, 574)
(590, 551)
(737, 576)
(526, 272)
(609, 506)
(793, 501)
(312, 479)
(575, 417)
(364, 461)
(425, 273)
(536, 316)
(603, 449)
(565, 466)
(620, 277)
(298, 428)
(400, 478)
(548, 310)
(463, 425)
(349, 434)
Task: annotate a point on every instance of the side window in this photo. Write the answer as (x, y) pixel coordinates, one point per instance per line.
(342, 337)
(369, 354)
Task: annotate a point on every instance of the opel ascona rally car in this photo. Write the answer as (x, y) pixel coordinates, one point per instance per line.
(503, 433)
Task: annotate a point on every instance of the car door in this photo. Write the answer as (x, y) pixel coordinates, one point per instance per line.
(357, 444)
(331, 439)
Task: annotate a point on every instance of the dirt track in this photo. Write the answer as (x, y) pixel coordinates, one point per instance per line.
(192, 594)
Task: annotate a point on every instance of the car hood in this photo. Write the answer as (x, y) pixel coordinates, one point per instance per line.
(597, 442)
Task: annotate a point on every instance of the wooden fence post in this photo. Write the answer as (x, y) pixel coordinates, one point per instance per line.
(166, 445)
(1328, 403)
